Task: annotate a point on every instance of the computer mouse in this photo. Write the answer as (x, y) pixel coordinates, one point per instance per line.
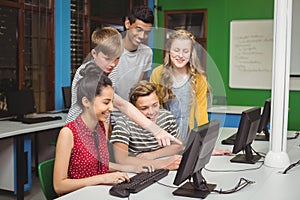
(58, 117)
(118, 192)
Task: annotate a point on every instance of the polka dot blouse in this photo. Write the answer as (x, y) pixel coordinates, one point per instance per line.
(88, 158)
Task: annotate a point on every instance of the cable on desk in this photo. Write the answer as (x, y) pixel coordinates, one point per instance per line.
(237, 170)
(291, 166)
(241, 184)
(169, 186)
(263, 155)
(294, 137)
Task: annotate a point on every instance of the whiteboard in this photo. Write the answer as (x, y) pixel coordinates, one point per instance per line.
(251, 52)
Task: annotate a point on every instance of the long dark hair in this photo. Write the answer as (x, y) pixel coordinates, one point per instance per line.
(92, 83)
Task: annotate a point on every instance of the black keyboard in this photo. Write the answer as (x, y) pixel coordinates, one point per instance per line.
(34, 120)
(230, 140)
(140, 181)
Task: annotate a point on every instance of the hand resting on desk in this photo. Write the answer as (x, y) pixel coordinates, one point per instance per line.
(219, 152)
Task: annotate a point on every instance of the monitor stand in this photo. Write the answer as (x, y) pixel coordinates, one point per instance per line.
(247, 158)
(263, 137)
(293, 137)
(241, 158)
(188, 190)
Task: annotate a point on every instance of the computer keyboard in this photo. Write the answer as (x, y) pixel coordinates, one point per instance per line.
(230, 140)
(34, 120)
(138, 182)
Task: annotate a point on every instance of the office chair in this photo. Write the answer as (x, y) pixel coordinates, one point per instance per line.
(45, 171)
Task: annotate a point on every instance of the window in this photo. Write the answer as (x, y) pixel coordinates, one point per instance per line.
(111, 13)
(80, 34)
(27, 61)
(86, 15)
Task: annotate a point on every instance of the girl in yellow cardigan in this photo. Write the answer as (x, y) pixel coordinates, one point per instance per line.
(182, 83)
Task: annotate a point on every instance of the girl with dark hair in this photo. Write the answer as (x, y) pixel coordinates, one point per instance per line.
(82, 156)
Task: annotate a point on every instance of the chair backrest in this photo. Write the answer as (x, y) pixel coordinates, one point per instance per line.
(66, 92)
(45, 171)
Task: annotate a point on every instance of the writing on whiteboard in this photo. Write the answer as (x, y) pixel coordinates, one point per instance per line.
(251, 53)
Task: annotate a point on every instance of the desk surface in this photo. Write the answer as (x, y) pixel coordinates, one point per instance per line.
(17, 130)
(228, 109)
(269, 182)
(11, 128)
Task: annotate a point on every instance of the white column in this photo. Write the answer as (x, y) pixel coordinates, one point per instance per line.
(277, 156)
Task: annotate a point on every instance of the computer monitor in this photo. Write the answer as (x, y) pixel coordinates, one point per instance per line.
(264, 122)
(66, 92)
(197, 153)
(245, 135)
(20, 103)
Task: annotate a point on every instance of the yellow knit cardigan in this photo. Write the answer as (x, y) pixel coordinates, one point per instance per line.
(199, 109)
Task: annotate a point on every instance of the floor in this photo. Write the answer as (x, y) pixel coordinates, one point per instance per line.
(35, 193)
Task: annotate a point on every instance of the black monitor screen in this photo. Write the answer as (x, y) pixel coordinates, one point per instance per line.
(264, 122)
(245, 135)
(197, 153)
(20, 103)
(66, 91)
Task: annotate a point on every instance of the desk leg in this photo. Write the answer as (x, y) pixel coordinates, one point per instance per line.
(36, 154)
(20, 166)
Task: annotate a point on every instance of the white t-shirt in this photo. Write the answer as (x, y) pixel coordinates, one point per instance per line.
(129, 70)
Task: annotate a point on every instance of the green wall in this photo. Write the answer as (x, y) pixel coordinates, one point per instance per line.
(220, 13)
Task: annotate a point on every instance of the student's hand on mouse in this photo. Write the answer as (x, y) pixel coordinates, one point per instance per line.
(217, 152)
(164, 138)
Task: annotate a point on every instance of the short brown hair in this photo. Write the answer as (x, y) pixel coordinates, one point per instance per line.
(142, 88)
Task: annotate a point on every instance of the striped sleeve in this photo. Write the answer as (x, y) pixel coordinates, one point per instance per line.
(113, 76)
(167, 122)
(74, 110)
(121, 131)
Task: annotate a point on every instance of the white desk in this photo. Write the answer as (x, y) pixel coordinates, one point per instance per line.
(18, 130)
(229, 116)
(227, 109)
(270, 184)
(12, 128)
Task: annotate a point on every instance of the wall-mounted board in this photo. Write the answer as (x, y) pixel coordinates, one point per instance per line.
(251, 48)
(251, 54)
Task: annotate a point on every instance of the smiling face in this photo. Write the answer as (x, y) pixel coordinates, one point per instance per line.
(180, 52)
(103, 103)
(137, 33)
(149, 106)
